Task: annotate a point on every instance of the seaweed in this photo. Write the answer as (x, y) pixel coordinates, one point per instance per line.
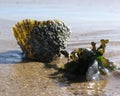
(87, 63)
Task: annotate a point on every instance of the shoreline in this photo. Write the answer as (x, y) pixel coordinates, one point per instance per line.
(32, 78)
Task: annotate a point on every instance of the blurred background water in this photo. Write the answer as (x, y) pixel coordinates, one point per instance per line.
(88, 14)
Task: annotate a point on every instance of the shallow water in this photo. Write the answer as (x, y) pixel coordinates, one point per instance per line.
(26, 78)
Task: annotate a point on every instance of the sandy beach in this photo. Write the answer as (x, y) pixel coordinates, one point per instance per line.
(88, 20)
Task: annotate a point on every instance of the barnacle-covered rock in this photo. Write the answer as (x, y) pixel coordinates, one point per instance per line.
(41, 40)
(88, 63)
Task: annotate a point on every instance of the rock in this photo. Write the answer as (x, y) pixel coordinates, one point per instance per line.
(41, 40)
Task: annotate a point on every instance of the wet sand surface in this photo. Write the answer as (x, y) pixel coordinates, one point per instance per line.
(27, 78)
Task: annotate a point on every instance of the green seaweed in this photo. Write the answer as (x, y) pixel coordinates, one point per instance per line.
(88, 63)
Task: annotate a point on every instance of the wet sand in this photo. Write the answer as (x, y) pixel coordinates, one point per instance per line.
(20, 78)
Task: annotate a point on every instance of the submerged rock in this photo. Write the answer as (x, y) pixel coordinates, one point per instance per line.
(41, 40)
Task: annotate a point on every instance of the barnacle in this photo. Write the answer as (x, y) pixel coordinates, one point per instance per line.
(89, 63)
(41, 40)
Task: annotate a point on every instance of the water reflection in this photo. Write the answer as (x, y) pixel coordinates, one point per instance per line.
(95, 88)
(10, 57)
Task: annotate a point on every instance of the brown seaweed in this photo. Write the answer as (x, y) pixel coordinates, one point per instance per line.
(86, 63)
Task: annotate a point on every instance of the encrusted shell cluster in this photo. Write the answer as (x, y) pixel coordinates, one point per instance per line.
(41, 40)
